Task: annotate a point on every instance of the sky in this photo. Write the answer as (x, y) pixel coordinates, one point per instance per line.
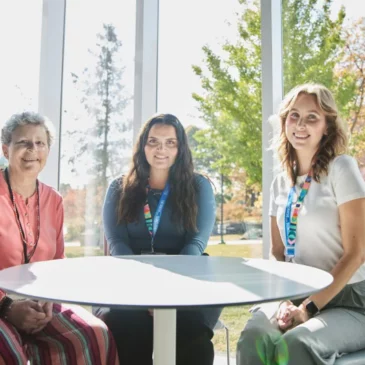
(354, 8)
(185, 26)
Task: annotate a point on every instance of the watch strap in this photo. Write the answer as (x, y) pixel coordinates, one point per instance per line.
(5, 306)
(312, 308)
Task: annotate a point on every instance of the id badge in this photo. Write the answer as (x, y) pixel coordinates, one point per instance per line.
(149, 252)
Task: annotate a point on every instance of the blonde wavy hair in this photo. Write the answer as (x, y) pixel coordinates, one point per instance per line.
(334, 143)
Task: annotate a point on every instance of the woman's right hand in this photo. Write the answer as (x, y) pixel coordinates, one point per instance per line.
(282, 315)
(25, 314)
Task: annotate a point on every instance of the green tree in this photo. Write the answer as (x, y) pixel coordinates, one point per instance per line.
(208, 161)
(205, 156)
(231, 101)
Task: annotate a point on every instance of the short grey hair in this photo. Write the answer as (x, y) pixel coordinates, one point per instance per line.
(26, 118)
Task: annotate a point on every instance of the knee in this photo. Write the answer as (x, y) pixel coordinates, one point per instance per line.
(250, 335)
(255, 344)
(251, 338)
(296, 338)
(104, 338)
(100, 329)
(293, 346)
(11, 345)
(258, 328)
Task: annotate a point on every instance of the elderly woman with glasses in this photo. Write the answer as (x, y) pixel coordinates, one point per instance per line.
(31, 230)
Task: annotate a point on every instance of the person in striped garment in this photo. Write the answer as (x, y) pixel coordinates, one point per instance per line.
(31, 230)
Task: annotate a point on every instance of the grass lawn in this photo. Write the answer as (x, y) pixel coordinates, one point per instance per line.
(226, 237)
(83, 251)
(233, 317)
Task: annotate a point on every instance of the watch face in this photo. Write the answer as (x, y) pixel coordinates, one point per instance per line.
(311, 308)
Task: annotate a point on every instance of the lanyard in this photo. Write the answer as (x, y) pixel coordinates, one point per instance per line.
(291, 220)
(152, 224)
(17, 217)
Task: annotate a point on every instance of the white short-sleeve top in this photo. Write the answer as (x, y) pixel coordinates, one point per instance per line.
(318, 241)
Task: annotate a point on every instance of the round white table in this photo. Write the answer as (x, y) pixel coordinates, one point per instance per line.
(164, 283)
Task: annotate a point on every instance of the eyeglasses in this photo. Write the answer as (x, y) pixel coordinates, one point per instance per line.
(29, 145)
(169, 143)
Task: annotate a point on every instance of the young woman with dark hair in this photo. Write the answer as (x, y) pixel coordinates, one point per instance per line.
(161, 181)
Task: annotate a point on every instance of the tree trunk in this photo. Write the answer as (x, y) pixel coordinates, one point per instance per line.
(357, 113)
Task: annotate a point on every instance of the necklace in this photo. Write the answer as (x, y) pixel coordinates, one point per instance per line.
(27, 257)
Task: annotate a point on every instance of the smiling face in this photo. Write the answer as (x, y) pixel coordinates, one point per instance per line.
(28, 150)
(305, 124)
(161, 147)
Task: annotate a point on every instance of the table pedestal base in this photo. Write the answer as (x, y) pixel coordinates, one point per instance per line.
(164, 336)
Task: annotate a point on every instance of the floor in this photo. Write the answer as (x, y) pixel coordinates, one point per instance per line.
(221, 359)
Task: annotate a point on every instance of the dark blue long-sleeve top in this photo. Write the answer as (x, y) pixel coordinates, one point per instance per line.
(132, 238)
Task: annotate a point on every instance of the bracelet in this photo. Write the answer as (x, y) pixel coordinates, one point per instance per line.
(5, 306)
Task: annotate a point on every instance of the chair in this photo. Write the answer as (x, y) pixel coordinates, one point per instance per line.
(355, 358)
(220, 326)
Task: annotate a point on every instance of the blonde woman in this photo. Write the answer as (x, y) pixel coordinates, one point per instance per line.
(317, 219)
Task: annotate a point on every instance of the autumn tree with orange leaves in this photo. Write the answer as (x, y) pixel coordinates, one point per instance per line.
(353, 67)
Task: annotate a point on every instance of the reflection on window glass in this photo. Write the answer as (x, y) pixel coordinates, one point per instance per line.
(20, 39)
(209, 75)
(97, 113)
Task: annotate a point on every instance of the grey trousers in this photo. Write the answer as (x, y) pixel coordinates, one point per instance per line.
(338, 329)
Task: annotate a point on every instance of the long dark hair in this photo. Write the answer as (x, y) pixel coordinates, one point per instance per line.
(181, 178)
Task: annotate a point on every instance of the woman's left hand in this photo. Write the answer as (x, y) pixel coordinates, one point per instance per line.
(292, 317)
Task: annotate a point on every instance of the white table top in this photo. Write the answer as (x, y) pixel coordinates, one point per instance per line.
(163, 281)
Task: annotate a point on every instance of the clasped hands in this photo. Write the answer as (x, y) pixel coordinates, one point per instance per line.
(289, 316)
(30, 316)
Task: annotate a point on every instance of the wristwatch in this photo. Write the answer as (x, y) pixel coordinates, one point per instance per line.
(5, 306)
(311, 308)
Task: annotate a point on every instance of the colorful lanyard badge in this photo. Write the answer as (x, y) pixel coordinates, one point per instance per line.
(153, 223)
(291, 220)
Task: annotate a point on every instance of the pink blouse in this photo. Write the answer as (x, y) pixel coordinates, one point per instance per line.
(50, 245)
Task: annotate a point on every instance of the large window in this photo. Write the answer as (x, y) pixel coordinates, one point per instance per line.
(201, 79)
(20, 39)
(209, 75)
(98, 88)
